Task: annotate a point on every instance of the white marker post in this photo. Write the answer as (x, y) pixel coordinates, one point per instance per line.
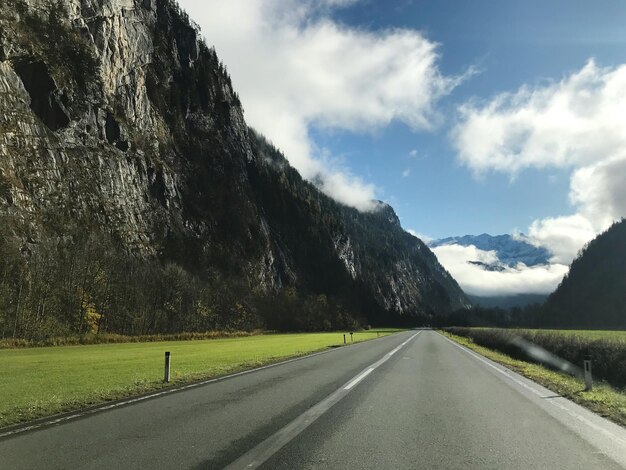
(588, 378)
(166, 379)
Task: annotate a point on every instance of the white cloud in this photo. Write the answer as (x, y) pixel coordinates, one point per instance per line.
(571, 123)
(406, 173)
(563, 236)
(576, 123)
(600, 189)
(348, 189)
(413, 153)
(421, 236)
(476, 280)
(294, 68)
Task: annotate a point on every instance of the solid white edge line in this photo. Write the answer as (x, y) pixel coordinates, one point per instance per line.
(508, 374)
(104, 407)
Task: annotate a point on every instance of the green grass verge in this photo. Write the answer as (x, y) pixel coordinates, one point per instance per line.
(603, 400)
(42, 381)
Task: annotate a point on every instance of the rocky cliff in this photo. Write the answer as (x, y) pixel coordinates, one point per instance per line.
(116, 117)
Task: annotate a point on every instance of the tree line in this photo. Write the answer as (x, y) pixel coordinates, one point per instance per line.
(86, 283)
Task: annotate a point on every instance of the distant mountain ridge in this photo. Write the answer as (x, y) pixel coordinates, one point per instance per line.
(509, 249)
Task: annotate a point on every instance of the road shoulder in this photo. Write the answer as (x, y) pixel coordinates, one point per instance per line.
(606, 435)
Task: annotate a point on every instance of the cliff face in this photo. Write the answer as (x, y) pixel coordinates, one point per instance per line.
(100, 103)
(116, 117)
(334, 248)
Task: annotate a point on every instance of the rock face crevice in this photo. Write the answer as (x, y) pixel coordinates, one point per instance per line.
(44, 95)
(129, 124)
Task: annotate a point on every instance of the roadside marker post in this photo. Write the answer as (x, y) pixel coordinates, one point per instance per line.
(166, 379)
(588, 377)
(344, 338)
(351, 338)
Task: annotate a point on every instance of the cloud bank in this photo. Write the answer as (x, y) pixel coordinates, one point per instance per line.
(576, 123)
(476, 280)
(296, 68)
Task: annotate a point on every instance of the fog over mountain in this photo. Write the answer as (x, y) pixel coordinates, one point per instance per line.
(500, 266)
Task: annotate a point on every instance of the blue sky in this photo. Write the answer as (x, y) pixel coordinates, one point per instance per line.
(466, 116)
(510, 43)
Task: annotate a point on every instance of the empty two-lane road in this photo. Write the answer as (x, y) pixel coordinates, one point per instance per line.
(412, 400)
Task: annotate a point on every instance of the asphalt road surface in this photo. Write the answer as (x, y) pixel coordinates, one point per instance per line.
(409, 401)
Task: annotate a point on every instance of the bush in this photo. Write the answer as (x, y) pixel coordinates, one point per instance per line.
(608, 355)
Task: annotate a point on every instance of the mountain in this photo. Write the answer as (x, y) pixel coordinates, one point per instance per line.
(509, 249)
(593, 294)
(135, 199)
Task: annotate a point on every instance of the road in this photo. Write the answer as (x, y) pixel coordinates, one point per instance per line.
(409, 401)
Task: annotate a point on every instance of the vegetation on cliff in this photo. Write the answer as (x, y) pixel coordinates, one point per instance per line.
(134, 199)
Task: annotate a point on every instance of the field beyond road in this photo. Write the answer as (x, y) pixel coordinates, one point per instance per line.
(589, 335)
(39, 382)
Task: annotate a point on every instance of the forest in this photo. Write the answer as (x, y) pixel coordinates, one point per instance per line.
(87, 284)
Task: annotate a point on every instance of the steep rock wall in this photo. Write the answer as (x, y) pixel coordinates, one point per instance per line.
(115, 116)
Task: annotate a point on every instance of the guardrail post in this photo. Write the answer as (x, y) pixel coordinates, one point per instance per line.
(588, 377)
(166, 379)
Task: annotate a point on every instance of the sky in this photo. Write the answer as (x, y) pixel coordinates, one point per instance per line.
(468, 117)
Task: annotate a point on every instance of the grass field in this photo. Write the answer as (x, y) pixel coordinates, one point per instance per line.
(603, 400)
(607, 335)
(42, 381)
